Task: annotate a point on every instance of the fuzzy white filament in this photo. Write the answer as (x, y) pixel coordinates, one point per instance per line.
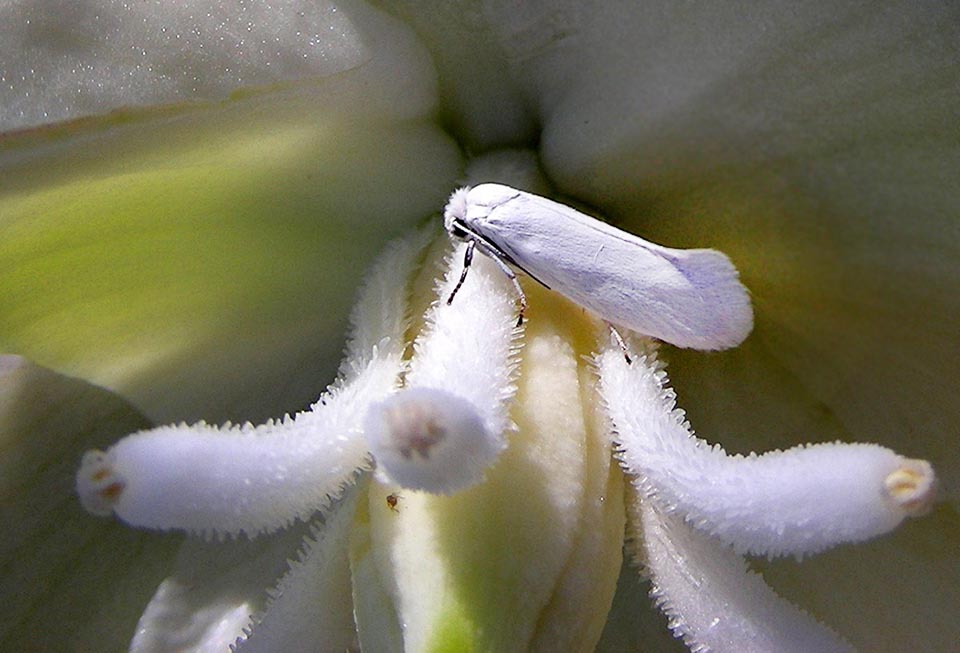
(798, 502)
(712, 600)
(306, 611)
(449, 424)
(227, 480)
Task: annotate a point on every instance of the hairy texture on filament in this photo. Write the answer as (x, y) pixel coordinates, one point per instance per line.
(448, 425)
(307, 610)
(470, 348)
(253, 479)
(712, 600)
(798, 501)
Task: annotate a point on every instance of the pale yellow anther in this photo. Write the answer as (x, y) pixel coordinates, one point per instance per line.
(98, 485)
(913, 486)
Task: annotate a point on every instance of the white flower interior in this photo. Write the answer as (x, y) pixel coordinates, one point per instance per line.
(694, 506)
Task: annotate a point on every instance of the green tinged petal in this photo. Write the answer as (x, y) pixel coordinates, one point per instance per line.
(825, 176)
(911, 576)
(203, 263)
(816, 145)
(69, 582)
(201, 259)
(812, 147)
(815, 150)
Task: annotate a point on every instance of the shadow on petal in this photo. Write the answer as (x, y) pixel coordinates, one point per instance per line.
(68, 582)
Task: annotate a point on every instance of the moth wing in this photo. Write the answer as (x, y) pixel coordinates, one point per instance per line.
(689, 298)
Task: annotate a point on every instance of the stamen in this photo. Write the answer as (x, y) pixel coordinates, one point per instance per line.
(912, 486)
(229, 480)
(449, 425)
(797, 502)
(98, 485)
(307, 609)
(429, 439)
(712, 600)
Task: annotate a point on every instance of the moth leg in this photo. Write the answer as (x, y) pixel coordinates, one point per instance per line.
(521, 296)
(467, 260)
(620, 342)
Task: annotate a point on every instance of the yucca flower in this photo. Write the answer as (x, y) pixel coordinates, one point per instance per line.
(692, 128)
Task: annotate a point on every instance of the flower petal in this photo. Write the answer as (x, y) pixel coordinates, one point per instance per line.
(201, 260)
(63, 576)
(63, 60)
(813, 145)
(484, 105)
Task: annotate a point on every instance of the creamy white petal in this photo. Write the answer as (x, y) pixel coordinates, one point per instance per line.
(247, 479)
(799, 501)
(814, 144)
(207, 601)
(712, 600)
(519, 168)
(66, 59)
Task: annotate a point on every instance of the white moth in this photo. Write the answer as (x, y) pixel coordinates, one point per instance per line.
(687, 297)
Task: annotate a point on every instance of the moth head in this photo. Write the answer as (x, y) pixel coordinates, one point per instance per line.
(455, 213)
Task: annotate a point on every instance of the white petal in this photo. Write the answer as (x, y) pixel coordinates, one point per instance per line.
(517, 168)
(816, 146)
(713, 602)
(64, 59)
(795, 502)
(253, 479)
(207, 602)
